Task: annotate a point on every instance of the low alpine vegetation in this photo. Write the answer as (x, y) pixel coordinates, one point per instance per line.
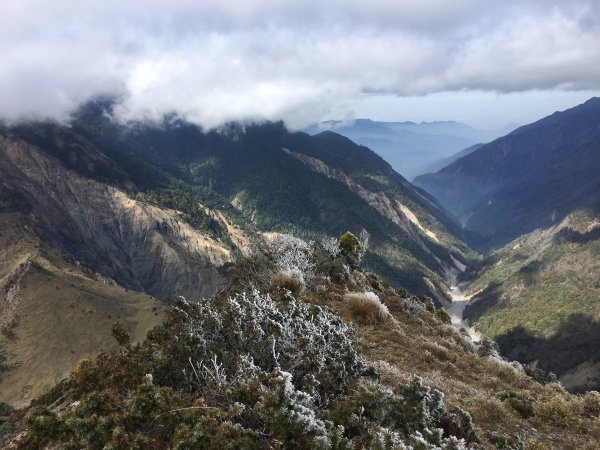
(257, 370)
(267, 365)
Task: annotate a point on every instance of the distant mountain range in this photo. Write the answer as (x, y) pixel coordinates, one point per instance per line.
(531, 178)
(439, 164)
(411, 147)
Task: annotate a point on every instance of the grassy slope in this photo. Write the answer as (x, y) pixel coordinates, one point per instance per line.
(56, 314)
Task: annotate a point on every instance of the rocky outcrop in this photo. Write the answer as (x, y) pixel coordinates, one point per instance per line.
(141, 246)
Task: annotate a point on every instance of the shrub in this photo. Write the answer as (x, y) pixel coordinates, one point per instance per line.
(427, 302)
(591, 404)
(47, 424)
(443, 315)
(291, 416)
(309, 341)
(331, 246)
(488, 347)
(292, 256)
(521, 403)
(367, 308)
(539, 375)
(6, 409)
(120, 334)
(413, 306)
(407, 417)
(421, 407)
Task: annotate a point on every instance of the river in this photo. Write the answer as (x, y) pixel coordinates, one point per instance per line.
(456, 309)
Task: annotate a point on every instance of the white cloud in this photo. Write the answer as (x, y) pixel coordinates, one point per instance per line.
(216, 61)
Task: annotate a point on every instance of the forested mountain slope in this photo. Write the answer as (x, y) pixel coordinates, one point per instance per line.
(538, 298)
(168, 204)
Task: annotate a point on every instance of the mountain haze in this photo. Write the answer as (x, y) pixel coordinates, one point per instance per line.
(408, 146)
(531, 178)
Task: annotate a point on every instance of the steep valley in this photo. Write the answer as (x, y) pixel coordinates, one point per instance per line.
(531, 178)
(176, 193)
(531, 200)
(374, 364)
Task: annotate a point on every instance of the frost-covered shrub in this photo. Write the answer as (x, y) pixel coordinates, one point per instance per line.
(386, 439)
(413, 306)
(273, 405)
(408, 417)
(291, 415)
(292, 256)
(331, 246)
(310, 342)
(421, 407)
(367, 308)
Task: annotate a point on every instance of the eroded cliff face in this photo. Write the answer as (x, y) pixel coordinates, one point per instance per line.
(140, 246)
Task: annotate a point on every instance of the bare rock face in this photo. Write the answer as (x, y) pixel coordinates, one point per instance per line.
(140, 246)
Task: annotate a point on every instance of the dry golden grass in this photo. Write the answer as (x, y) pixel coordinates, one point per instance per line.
(366, 308)
(535, 444)
(289, 281)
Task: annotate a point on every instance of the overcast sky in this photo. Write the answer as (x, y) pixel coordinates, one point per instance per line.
(486, 62)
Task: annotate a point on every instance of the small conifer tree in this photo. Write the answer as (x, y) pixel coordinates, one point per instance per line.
(351, 248)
